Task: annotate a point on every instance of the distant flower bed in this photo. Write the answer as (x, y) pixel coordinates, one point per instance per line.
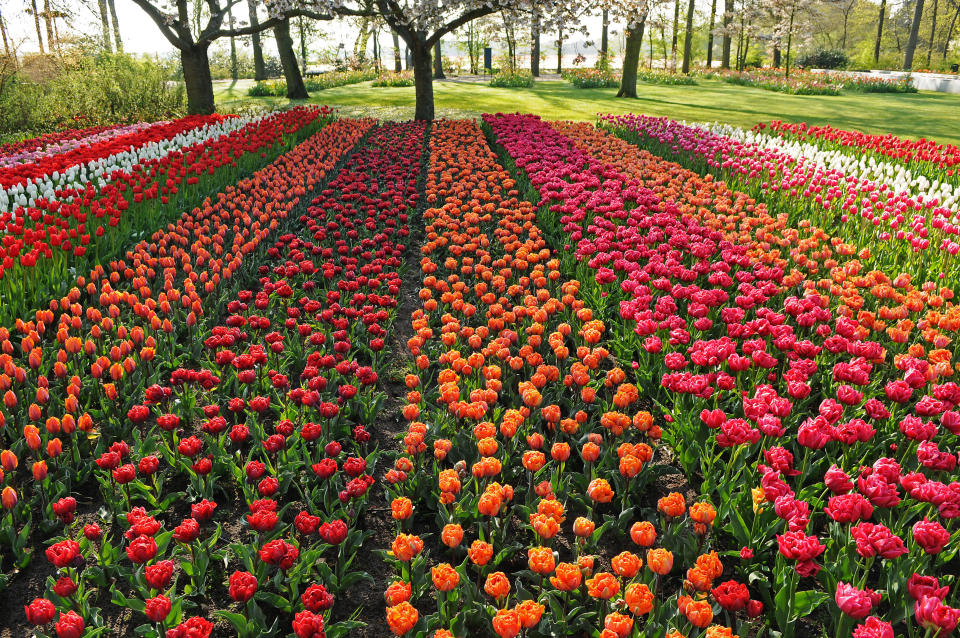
(278, 88)
(653, 76)
(604, 79)
(807, 83)
(512, 80)
(592, 78)
(404, 78)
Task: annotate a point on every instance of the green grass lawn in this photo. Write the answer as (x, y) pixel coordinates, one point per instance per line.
(925, 114)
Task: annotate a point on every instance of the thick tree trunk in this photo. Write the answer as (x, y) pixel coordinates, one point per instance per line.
(914, 34)
(777, 55)
(234, 63)
(438, 62)
(36, 22)
(48, 22)
(105, 25)
(118, 41)
(713, 20)
(876, 44)
(631, 60)
(397, 62)
(559, 51)
(676, 29)
(6, 41)
(535, 47)
(422, 79)
(288, 59)
(303, 45)
(933, 32)
(727, 18)
(688, 38)
(604, 38)
(946, 43)
(196, 76)
(259, 67)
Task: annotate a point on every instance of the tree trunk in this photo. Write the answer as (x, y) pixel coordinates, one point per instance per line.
(953, 23)
(631, 60)
(676, 29)
(259, 67)
(303, 44)
(48, 22)
(604, 39)
(36, 21)
(790, 42)
(438, 62)
(727, 19)
(688, 39)
(118, 41)
(535, 47)
(559, 51)
(713, 19)
(876, 45)
(234, 63)
(777, 55)
(933, 33)
(397, 62)
(105, 26)
(914, 34)
(6, 42)
(196, 75)
(422, 79)
(288, 59)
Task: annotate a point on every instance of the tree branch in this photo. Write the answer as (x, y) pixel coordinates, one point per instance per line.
(161, 21)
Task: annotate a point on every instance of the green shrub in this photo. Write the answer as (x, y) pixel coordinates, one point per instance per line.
(824, 59)
(83, 88)
(515, 80)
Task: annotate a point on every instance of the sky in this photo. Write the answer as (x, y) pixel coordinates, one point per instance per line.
(140, 34)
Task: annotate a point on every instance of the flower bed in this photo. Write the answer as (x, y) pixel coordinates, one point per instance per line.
(111, 338)
(789, 398)
(68, 223)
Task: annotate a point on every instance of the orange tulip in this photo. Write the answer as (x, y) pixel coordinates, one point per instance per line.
(660, 561)
(480, 552)
(600, 491)
(445, 577)
(604, 585)
(643, 534)
(626, 564)
(530, 612)
(402, 618)
(699, 613)
(672, 505)
(401, 508)
(397, 593)
(567, 577)
(452, 535)
(9, 498)
(497, 586)
(619, 624)
(541, 560)
(406, 546)
(639, 598)
(506, 623)
(583, 527)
